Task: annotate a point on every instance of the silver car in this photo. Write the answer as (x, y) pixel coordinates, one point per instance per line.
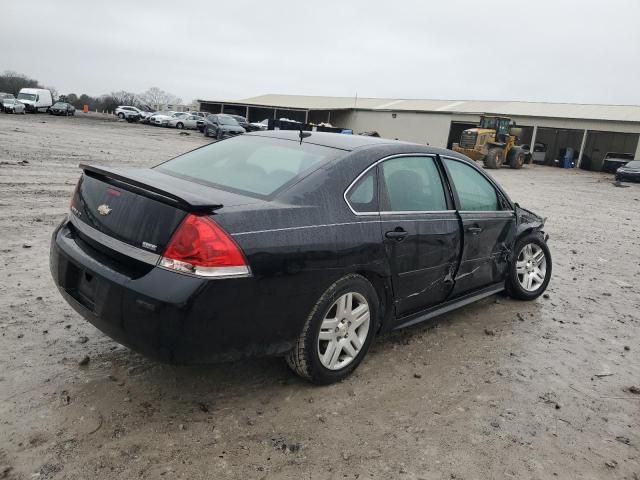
(161, 119)
(11, 105)
(184, 121)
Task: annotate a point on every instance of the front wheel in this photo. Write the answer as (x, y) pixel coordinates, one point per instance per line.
(495, 158)
(219, 134)
(530, 269)
(179, 125)
(121, 116)
(338, 332)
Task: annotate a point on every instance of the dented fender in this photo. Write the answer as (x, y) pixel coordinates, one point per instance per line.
(528, 221)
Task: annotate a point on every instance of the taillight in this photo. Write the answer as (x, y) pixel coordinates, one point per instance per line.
(201, 247)
(73, 197)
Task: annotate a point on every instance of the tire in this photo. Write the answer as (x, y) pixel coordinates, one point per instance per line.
(206, 131)
(516, 158)
(121, 116)
(514, 284)
(494, 158)
(179, 125)
(219, 134)
(306, 358)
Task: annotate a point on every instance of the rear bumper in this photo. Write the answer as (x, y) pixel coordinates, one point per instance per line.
(162, 314)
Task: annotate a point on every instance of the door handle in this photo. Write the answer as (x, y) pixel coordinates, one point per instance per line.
(474, 230)
(398, 234)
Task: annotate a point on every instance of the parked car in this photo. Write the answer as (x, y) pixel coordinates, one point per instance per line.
(613, 160)
(161, 119)
(221, 126)
(124, 111)
(539, 153)
(147, 117)
(242, 121)
(11, 105)
(259, 126)
(35, 99)
(4, 95)
(62, 108)
(279, 243)
(629, 172)
(184, 121)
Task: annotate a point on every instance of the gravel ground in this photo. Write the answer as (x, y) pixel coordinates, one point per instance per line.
(499, 389)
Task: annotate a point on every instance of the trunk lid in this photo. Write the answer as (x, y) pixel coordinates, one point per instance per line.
(142, 207)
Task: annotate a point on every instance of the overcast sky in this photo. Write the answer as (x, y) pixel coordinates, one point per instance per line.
(582, 51)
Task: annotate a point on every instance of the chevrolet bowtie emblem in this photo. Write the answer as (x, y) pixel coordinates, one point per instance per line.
(104, 209)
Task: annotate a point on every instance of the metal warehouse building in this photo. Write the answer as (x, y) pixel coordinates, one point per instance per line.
(591, 130)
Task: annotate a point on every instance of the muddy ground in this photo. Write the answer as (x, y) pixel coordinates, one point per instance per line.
(499, 389)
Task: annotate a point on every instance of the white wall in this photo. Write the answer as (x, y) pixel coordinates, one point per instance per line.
(432, 128)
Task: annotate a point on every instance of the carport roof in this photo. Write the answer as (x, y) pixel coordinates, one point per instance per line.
(620, 113)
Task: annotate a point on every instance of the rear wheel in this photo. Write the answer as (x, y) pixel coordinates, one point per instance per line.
(338, 332)
(530, 269)
(495, 158)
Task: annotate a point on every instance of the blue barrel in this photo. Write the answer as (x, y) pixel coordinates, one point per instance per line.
(567, 161)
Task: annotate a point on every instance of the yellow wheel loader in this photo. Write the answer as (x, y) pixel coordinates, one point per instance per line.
(493, 142)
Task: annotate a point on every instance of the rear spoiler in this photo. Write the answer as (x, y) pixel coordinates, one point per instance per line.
(152, 184)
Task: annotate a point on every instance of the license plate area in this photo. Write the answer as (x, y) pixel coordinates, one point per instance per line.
(81, 285)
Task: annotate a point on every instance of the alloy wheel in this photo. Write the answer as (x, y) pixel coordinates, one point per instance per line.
(531, 267)
(344, 331)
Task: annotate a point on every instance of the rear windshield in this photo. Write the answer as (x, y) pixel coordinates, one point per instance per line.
(226, 120)
(249, 164)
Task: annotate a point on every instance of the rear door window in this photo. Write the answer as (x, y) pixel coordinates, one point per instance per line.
(412, 184)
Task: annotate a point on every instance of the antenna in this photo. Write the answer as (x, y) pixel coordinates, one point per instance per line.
(303, 134)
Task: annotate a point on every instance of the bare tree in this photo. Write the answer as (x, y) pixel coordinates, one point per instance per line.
(155, 96)
(12, 82)
(54, 92)
(122, 97)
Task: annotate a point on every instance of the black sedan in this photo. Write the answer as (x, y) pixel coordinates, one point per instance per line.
(220, 126)
(629, 172)
(62, 108)
(305, 245)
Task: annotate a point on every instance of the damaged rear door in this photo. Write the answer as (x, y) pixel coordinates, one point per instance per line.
(488, 228)
(420, 229)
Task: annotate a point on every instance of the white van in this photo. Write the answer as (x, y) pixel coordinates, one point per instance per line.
(35, 99)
